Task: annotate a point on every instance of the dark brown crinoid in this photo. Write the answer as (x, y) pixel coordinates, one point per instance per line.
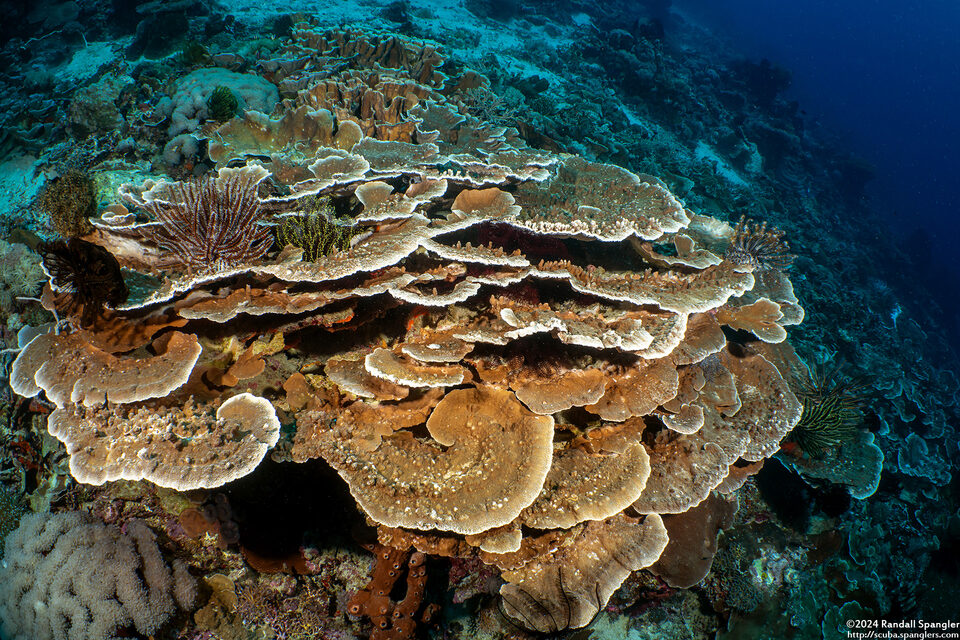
(831, 413)
(69, 201)
(758, 246)
(85, 276)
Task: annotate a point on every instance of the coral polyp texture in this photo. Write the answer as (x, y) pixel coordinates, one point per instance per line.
(68, 576)
(499, 361)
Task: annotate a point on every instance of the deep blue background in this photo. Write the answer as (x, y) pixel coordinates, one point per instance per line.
(885, 75)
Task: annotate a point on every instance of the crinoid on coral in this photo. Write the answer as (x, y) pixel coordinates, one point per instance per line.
(759, 247)
(85, 276)
(832, 412)
(207, 224)
(315, 231)
(222, 104)
(68, 201)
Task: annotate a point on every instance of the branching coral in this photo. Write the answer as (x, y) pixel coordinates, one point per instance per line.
(758, 247)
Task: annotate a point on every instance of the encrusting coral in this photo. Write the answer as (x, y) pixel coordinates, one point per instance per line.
(500, 363)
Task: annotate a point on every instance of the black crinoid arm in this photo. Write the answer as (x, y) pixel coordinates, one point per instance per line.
(85, 276)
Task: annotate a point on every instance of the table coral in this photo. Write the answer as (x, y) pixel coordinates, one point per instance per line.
(190, 104)
(409, 483)
(503, 362)
(208, 224)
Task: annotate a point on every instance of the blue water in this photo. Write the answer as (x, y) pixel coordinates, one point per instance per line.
(884, 75)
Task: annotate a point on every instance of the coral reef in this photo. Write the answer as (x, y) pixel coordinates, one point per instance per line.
(450, 275)
(192, 102)
(548, 392)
